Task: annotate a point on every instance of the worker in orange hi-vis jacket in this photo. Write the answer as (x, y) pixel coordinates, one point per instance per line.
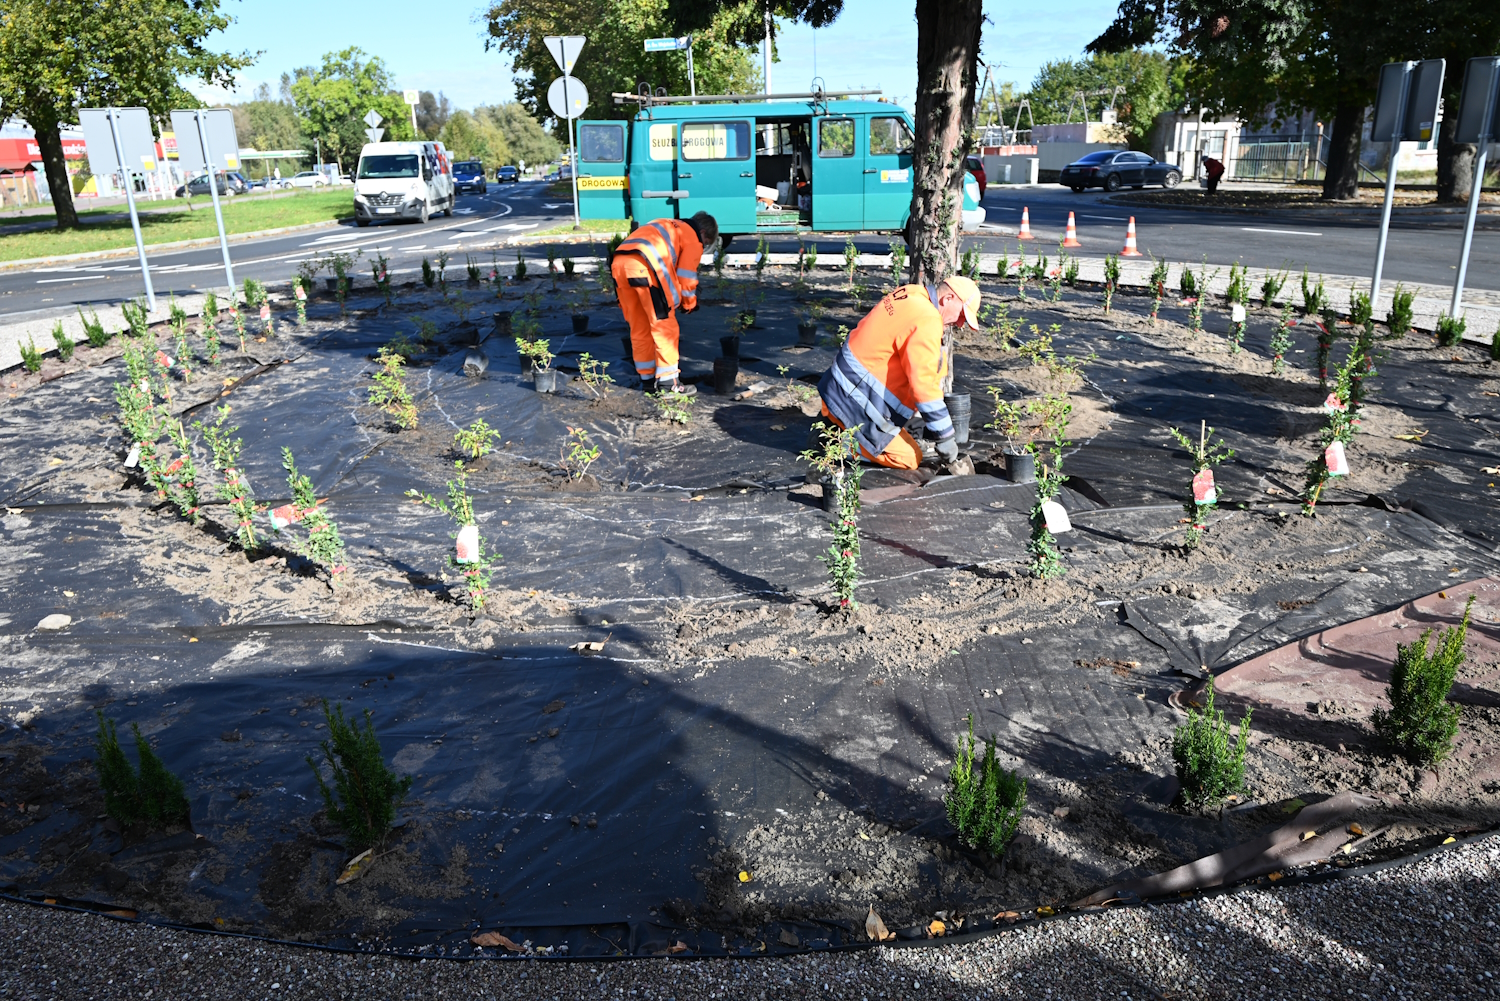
(892, 366)
(655, 271)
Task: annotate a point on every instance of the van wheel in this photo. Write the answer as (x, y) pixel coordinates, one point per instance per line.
(423, 217)
(361, 223)
(449, 210)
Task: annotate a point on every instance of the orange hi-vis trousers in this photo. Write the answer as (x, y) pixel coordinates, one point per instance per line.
(653, 324)
(904, 451)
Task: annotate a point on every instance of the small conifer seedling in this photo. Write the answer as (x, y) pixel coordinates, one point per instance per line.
(1209, 764)
(31, 355)
(1450, 330)
(148, 794)
(365, 793)
(63, 341)
(984, 801)
(1421, 723)
(93, 329)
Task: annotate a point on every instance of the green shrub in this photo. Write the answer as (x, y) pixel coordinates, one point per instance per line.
(151, 795)
(365, 791)
(428, 275)
(1450, 330)
(31, 355)
(1495, 345)
(1421, 723)
(93, 329)
(1209, 767)
(323, 545)
(984, 803)
(1360, 308)
(1399, 318)
(63, 341)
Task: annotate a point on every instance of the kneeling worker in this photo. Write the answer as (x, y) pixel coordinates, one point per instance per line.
(893, 366)
(656, 270)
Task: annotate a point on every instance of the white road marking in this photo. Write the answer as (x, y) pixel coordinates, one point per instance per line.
(1111, 218)
(336, 238)
(75, 278)
(1281, 232)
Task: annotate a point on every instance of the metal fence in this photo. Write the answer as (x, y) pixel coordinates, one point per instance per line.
(1276, 161)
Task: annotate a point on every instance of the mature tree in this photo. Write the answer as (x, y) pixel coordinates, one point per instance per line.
(265, 124)
(433, 111)
(332, 101)
(469, 137)
(1146, 76)
(614, 59)
(526, 140)
(59, 55)
(1265, 59)
(1458, 30)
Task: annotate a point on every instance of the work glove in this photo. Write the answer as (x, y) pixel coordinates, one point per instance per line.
(948, 448)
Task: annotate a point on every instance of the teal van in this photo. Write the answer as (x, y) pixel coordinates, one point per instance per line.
(758, 167)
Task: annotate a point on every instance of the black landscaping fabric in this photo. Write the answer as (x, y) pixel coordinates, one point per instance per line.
(585, 800)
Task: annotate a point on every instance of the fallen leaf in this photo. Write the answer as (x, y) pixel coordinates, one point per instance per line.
(676, 947)
(1274, 876)
(698, 498)
(1308, 835)
(55, 461)
(875, 928)
(490, 939)
(69, 594)
(123, 912)
(1008, 916)
(1045, 911)
(355, 867)
(745, 876)
(789, 938)
(863, 836)
(590, 647)
(1442, 594)
(1292, 806)
(778, 427)
(1449, 840)
(1355, 830)
(936, 929)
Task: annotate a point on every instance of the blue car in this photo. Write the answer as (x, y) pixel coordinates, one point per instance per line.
(468, 175)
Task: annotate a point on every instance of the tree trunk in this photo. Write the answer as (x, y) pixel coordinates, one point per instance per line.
(1455, 164)
(1342, 180)
(59, 184)
(947, 50)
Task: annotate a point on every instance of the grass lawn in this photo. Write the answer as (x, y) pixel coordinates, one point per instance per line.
(611, 226)
(242, 214)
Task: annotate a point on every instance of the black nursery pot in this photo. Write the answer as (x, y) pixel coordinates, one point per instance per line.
(730, 346)
(580, 323)
(959, 409)
(546, 380)
(725, 372)
(807, 335)
(1020, 467)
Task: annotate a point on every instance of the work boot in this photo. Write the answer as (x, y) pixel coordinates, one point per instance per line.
(680, 388)
(648, 385)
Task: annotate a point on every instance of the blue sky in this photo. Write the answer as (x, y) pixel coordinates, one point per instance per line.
(440, 47)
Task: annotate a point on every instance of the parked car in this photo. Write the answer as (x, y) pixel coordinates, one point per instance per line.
(504, 174)
(975, 166)
(468, 175)
(229, 184)
(309, 179)
(1114, 169)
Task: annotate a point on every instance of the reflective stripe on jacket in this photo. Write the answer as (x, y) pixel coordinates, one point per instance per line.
(671, 249)
(891, 367)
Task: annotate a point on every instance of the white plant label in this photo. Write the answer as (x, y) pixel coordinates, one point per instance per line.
(134, 456)
(468, 544)
(1055, 517)
(1338, 463)
(284, 515)
(1237, 313)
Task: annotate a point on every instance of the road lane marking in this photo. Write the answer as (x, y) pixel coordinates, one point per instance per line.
(1111, 218)
(75, 278)
(1281, 232)
(336, 238)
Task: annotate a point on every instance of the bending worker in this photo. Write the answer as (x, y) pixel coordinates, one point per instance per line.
(655, 271)
(893, 366)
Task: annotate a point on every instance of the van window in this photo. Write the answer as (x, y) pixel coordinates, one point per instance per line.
(389, 165)
(889, 136)
(468, 167)
(662, 139)
(601, 143)
(836, 137)
(716, 140)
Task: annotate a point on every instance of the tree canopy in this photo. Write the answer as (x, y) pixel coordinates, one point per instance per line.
(332, 100)
(57, 56)
(527, 140)
(468, 137)
(1153, 84)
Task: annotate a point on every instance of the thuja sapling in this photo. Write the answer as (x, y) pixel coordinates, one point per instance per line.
(1002, 267)
(469, 556)
(898, 260)
(1400, 316)
(520, 269)
(1187, 284)
(1421, 723)
(1495, 345)
(389, 391)
(809, 258)
(477, 440)
(968, 264)
(1343, 424)
(473, 269)
(838, 463)
(1111, 280)
(1047, 515)
(93, 329)
(762, 257)
(1361, 311)
(984, 802)
(31, 355)
(63, 341)
(365, 792)
(1281, 340)
(1158, 286)
(149, 795)
(578, 453)
(323, 545)
(1271, 285)
(1450, 330)
(429, 277)
(1203, 457)
(1209, 765)
(1314, 297)
(1070, 273)
(225, 450)
(176, 318)
(851, 260)
(568, 268)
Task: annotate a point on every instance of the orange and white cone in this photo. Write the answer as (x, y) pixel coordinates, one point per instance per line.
(1025, 233)
(1130, 248)
(1071, 240)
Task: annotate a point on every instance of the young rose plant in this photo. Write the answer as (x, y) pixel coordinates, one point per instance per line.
(469, 557)
(1203, 457)
(233, 490)
(838, 462)
(322, 545)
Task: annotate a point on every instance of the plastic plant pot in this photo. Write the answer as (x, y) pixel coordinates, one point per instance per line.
(958, 409)
(725, 372)
(730, 346)
(502, 323)
(475, 361)
(831, 492)
(332, 283)
(1020, 467)
(807, 335)
(546, 380)
(580, 323)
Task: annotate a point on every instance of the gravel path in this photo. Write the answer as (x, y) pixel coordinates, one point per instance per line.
(1425, 930)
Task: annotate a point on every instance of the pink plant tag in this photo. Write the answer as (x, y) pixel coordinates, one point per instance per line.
(1333, 403)
(468, 544)
(163, 359)
(265, 311)
(284, 515)
(1334, 458)
(1056, 517)
(301, 293)
(1203, 487)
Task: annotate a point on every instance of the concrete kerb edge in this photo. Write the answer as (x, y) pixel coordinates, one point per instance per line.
(947, 940)
(1429, 304)
(205, 241)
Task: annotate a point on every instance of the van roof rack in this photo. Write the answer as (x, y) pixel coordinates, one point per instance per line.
(646, 99)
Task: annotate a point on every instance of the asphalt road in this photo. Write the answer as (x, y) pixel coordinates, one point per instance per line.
(1337, 242)
(478, 221)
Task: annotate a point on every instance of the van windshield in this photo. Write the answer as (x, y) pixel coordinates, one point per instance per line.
(468, 167)
(389, 165)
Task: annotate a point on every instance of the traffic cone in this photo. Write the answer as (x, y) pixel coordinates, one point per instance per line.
(1130, 250)
(1071, 240)
(1025, 233)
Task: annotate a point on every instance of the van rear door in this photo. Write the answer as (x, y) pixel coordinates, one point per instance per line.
(716, 171)
(603, 187)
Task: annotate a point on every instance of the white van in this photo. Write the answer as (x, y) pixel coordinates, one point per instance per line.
(402, 180)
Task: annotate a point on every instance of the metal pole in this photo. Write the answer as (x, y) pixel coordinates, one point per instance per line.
(572, 151)
(213, 189)
(1390, 187)
(135, 220)
(692, 83)
(414, 134)
(1474, 189)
